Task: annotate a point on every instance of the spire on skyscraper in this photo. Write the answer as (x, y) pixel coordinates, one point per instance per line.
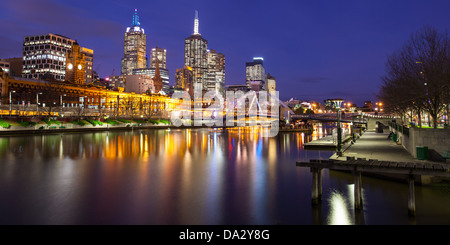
(196, 24)
(135, 19)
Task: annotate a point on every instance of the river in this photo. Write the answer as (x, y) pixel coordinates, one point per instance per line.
(195, 176)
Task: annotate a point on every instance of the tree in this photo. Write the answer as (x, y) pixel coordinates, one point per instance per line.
(418, 75)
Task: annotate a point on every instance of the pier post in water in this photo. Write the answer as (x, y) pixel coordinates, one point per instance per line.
(357, 190)
(316, 185)
(411, 198)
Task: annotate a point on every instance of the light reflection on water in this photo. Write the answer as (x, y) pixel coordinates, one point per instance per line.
(182, 176)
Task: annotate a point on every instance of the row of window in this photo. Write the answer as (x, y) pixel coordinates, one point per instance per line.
(44, 57)
(46, 47)
(41, 75)
(47, 37)
(29, 68)
(47, 61)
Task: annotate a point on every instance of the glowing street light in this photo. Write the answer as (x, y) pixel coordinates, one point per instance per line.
(37, 103)
(337, 104)
(10, 102)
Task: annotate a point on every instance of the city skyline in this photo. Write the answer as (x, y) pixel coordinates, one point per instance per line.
(323, 49)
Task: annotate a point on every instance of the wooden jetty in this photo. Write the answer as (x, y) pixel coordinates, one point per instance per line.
(361, 165)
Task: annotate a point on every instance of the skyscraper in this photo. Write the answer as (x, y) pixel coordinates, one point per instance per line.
(160, 54)
(196, 56)
(255, 74)
(216, 72)
(134, 47)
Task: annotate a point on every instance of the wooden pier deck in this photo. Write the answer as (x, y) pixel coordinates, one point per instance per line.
(376, 166)
(361, 165)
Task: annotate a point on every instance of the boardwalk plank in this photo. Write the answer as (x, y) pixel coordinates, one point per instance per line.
(419, 165)
(438, 167)
(376, 163)
(393, 165)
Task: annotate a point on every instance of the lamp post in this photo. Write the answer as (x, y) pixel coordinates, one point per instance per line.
(10, 102)
(61, 104)
(337, 104)
(37, 103)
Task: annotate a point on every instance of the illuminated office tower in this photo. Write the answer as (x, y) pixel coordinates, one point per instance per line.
(89, 60)
(255, 74)
(160, 54)
(196, 56)
(45, 55)
(216, 72)
(134, 47)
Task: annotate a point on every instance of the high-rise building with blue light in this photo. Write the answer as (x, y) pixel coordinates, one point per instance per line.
(196, 56)
(134, 48)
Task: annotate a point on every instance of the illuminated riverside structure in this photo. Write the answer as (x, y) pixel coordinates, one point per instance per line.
(78, 99)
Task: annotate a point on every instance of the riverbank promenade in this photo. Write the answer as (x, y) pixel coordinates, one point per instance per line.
(377, 146)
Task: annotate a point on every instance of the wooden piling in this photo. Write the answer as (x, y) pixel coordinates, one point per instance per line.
(316, 192)
(411, 197)
(357, 190)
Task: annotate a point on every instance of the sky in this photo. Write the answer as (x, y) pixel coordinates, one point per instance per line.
(316, 50)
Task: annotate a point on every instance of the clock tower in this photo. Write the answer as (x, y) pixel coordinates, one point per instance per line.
(75, 65)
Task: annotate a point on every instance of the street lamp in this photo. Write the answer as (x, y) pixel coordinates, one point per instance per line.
(10, 102)
(337, 104)
(61, 104)
(37, 103)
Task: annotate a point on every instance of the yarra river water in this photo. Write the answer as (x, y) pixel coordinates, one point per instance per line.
(196, 176)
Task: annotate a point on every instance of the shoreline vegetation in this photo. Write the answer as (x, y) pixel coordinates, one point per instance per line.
(11, 127)
(22, 126)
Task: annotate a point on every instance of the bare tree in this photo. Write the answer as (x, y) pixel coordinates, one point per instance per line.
(418, 75)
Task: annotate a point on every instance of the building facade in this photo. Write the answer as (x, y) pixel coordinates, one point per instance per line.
(270, 84)
(164, 73)
(15, 66)
(184, 80)
(117, 82)
(196, 56)
(139, 84)
(134, 48)
(89, 64)
(216, 72)
(160, 55)
(45, 55)
(255, 73)
(76, 65)
(5, 66)
(73, 96)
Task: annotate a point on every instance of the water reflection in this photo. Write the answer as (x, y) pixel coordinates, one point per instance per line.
(177, 176)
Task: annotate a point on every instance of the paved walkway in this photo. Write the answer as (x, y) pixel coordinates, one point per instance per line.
(377, 146)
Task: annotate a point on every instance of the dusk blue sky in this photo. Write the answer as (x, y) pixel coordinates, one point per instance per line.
(315, 49)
